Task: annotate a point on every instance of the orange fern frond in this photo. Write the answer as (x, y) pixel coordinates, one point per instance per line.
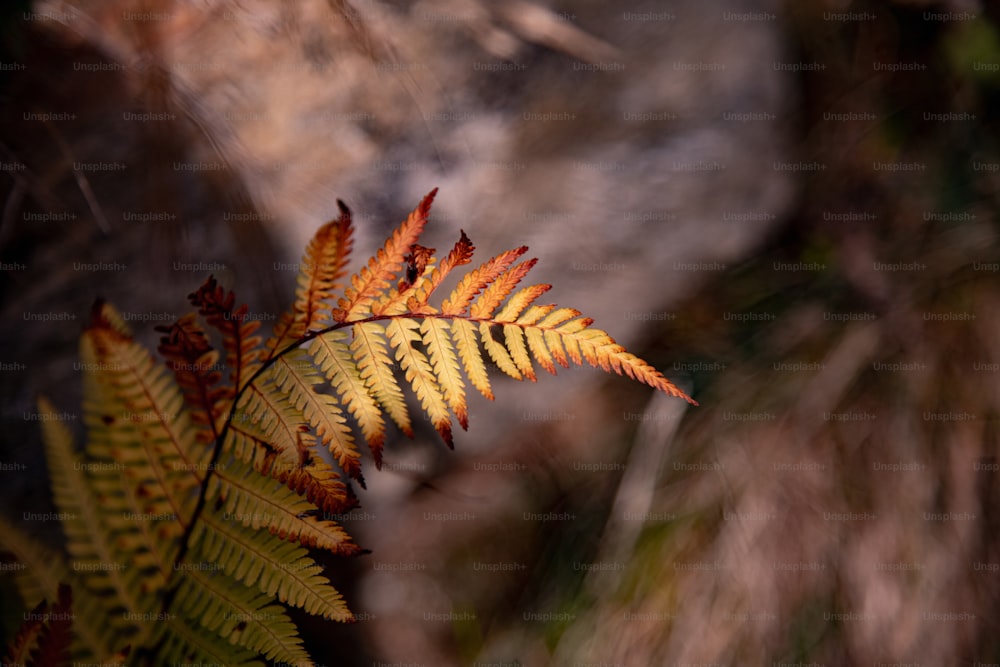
(369, 284)
(476, 281)
(320, 484)
(499, 289)
(460, 254)
(285, 420)
(323, 265)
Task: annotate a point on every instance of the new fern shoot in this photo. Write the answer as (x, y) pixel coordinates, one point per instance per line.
(201, 490)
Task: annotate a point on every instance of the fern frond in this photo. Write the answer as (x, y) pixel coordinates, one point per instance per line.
(323, 264)
(20, 648)
(40, 569)
(498, 353)
(464, 334)
(241, 615)
(39, 580)
(600, 350)
(296, 375)
(243, 348)
(369, 284)
(320, 484)
(132, 397)
(271, 415)
(539, 349)
(190, 513)
(460, 254)
(500, 289)
(292, 464)
(435, 335)
(95, 639)
(514, 338)
(263, 502)
(403, 298)
(403, 333)
(55, 637)
(183, 641)
(512, 310)
(95, 537)
(249, 443)
(278, 568)
(375, 369)
(195, 366)
(477, 280)
(334, 359)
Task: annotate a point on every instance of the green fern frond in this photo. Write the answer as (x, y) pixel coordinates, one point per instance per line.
(40, 568)
(100, 543)
(181, 640)
(135, 402)
(263, 502)
(241, 616)
(279, 568)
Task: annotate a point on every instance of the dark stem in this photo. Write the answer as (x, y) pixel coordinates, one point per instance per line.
(220, 440)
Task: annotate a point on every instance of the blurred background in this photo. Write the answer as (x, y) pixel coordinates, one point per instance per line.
(790, 209)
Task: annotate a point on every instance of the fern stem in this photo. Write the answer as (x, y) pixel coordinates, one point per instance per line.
(221, 438)
(275, 357)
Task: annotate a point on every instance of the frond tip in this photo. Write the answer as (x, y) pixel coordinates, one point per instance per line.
(380, 327)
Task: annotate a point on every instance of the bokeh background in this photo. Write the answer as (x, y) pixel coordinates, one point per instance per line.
(789, 208)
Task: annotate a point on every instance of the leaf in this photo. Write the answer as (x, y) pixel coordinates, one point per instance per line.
(263, 502)
(26, 640)
(243, 348)
(375, 369)
(370, 283)
(403, 333)
(296, 375)
(190, 513)
(195, 366)
(435, 335)
(240, 615)
(334, 358)
(278, 568)
(322, 266)
(54, 638)
(464, 334)
(476, 281)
